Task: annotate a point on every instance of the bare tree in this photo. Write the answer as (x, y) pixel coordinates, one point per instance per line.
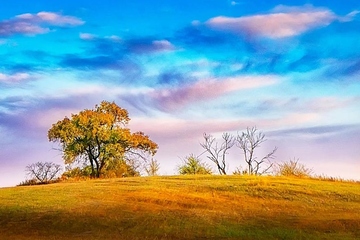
(43, 172)
(248, 142)
(217, 151)
(153, 167)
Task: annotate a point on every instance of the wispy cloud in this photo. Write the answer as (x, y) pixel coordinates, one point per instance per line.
(320, 105)
(286, 22)
(316, 131)
(170, 99)
(14, 78)
(32, 24)
(113, 52)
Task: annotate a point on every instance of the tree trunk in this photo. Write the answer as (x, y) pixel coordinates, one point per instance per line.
(92, 175)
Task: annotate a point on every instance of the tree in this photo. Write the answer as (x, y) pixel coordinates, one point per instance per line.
(248, 142)
(99, 135)
(193, 165)
(218, 153)
(43, 172)
(152, 168)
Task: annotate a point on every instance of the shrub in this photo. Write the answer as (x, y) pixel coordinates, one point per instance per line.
(193, 165)
(240, 171)
(77, 173)
(120, 168)
(292, 168)
(28, 182)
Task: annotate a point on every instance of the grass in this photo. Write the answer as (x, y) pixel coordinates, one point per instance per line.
(183, 207)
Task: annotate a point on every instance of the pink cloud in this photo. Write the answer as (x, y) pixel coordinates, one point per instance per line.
(163, 45)
(59, 20)
(150, 46)
(32, 24)
(325, 104)
(51, 18)
(15, 78)
(175, 98)
(290, 22)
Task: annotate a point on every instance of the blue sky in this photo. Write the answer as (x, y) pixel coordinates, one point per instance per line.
(182, 68)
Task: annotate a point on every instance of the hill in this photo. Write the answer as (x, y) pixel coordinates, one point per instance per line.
(183, 207)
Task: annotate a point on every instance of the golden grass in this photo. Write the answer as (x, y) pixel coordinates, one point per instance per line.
(183, 207)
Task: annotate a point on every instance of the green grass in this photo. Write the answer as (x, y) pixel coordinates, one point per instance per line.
(183, 207)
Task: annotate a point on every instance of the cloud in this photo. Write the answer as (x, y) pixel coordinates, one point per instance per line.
(148, 45)
(31, 117)
(350, 16)
(51, 18)
(32, 24)
(170, 99)
(87, 36)
(316, 131)
(14, 78)
(319, 105)
(275, 25)
(115, 53)
(268, 48)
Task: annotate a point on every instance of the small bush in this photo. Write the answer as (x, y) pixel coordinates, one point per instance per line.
(76, 173)
(31, 182)
(117, 168)
(28, 182)
(240, 171)
(193, 165)
(292, 169)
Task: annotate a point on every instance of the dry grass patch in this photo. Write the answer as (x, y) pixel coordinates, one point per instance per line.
(186, 207)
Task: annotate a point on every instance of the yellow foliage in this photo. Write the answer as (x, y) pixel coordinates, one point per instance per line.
(97, 135)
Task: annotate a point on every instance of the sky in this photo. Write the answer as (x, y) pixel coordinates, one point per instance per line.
(183, 68)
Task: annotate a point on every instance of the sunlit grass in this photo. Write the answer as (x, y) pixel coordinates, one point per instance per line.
(186, 207)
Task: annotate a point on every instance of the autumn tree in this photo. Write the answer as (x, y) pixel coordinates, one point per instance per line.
(193, 165)
(217, 152)
(98, 136)
(248, 142)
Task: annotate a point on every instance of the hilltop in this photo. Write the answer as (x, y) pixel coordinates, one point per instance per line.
(183, 207)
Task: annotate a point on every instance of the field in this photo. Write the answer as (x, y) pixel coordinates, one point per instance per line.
(186, 207)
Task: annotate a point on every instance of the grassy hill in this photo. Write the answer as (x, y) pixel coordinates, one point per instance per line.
(186, 207)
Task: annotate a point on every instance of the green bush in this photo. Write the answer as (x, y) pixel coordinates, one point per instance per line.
(193, 165)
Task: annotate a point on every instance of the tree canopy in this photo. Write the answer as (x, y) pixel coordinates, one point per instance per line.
(99, 135)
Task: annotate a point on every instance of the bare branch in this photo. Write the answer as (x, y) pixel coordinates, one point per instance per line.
(218, 153)
(248, 142)
(44, 172)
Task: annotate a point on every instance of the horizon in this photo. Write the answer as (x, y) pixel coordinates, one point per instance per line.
(290, 68)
